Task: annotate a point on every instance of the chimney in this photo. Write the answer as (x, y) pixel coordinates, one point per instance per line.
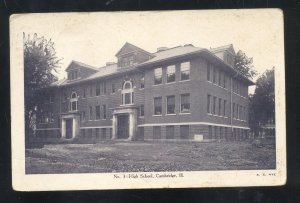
(161, 49)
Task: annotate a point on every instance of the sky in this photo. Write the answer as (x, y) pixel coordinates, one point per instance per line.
(95, 38)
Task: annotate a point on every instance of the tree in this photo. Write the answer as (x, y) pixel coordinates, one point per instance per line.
(244, 65)
(262, 102)
(40, 65)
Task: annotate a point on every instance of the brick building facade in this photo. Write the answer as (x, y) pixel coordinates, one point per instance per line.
(179, 93)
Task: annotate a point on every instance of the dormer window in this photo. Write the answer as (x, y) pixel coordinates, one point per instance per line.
(73, 75)
(126, 61)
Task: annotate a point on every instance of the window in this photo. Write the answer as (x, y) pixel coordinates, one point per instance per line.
(224, 80)
(171, 74)
(241, 112)
(140, 133)
(214, 105)
(221, 133)
(83, 116)
(170, 104)
(97, 89)
(157, 106)
(73, 74)
(51, 117)
(84, 92)
(142, 113)
(214, 75)
(208, 72)
(91, 113)
(184, 132)
(46, 116)
(42, 117)
(73, 101)
(103, 88)
(142, 83)
(113, 88)
(51, 98)
(169, 132)
(91, 91)
(127, 98)
(224, 108)
(216, 132)
(104, 111)
(233, 110)
(220, 107)
(156, 132)
(209, 132)
(97, 133)
(65, 97)
(237, 111)
(127, 93)
(157, 76)
(103, 133)
(225, 133)
(83, 133)
(131, 60)
(97, 112)
(90, 132)
(185, 103)
(185, 71)
(220, 78)
(208, 103)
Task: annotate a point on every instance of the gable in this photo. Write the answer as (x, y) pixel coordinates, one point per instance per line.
(71, 66)
(128, 48)
(231, 50)
(76, 65)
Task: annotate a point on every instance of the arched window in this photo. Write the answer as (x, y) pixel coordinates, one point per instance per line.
(73, 102)
(127, 93)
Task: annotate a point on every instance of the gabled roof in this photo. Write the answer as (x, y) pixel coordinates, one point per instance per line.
(228, 47)
(77, 63)
(127, 48)
(171, 53)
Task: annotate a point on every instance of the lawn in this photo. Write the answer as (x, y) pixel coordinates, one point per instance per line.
(120, 156)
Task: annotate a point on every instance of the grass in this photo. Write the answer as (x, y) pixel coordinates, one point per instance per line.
(119, 156)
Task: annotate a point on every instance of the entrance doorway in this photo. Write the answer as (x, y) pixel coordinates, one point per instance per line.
(69, 128)
(123, 126)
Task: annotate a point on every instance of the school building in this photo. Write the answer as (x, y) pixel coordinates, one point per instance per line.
(179, 93)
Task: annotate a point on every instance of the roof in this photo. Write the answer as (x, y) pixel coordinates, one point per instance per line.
(131, 47)
(82, 65)
(160, 56)
(172, 52)
(58, 83)
(228, 47)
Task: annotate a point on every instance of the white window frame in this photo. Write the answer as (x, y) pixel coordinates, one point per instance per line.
(96, 112)
(160, 106)
(189, 103)
(174, 105)
(73, 99)
(156, 75)
(127, 91)
(171, 70)
(182, 65)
